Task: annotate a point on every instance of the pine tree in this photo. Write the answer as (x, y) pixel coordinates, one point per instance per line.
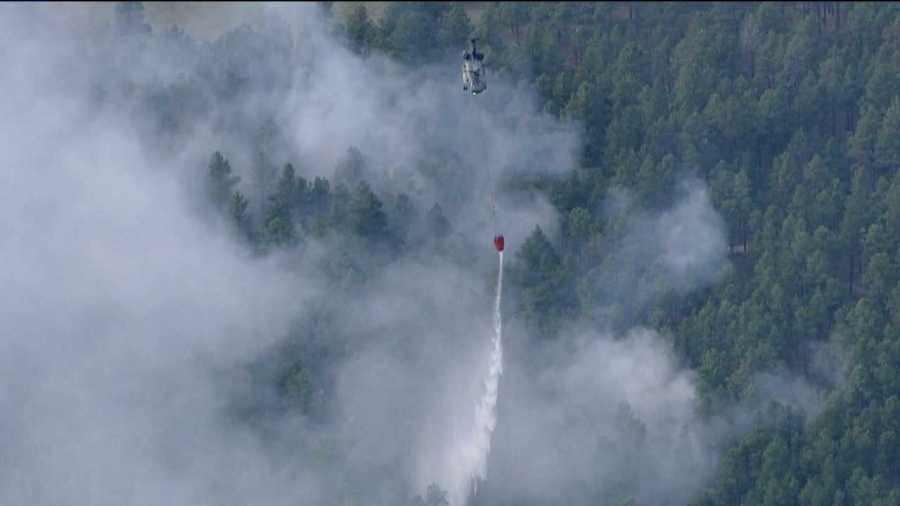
(221, 182)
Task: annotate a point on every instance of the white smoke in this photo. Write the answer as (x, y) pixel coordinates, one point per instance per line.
(608, 418)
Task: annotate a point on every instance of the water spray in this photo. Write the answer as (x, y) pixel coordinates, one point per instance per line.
(486, 410)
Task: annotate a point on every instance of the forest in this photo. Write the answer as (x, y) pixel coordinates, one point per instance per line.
(791, 113)
(763, 139)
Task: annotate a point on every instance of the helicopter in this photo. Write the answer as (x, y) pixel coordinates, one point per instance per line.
(473, 70)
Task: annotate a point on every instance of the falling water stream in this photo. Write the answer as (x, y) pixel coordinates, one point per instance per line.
(486, 410)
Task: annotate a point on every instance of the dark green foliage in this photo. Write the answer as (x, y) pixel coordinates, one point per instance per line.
(731, 195)
(241, 217)
(547, 293)
(220, 181)
(455, 28)
(789, 112)
(410, 30)
(590, 106)
(360, 30)
(887, 144)
(367, 216)
(279, 229)
(319, 196)
(278, 226)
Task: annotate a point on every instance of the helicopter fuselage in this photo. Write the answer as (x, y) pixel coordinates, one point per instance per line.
(473, 71)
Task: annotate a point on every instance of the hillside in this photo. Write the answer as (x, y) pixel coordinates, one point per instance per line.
(251, 256)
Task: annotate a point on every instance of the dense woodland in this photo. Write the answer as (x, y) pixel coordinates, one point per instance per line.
(790, 112)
